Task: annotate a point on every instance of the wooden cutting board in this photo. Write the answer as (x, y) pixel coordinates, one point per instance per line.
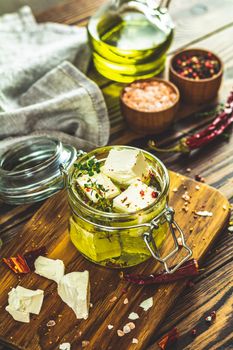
(49, 227)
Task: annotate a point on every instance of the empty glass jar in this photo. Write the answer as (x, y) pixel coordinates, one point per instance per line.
(30, 169)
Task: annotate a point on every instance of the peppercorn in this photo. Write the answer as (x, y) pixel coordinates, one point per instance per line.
(199, 66)
(194, 332)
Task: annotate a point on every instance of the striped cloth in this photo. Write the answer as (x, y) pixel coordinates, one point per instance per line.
(41, 91)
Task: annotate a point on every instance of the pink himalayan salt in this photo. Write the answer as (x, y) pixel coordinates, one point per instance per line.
(149, 96)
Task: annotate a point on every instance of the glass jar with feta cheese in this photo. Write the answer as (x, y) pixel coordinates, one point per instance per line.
(118, 197)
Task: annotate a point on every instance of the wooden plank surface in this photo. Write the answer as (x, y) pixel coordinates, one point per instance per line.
(49, 227)
(201, 28)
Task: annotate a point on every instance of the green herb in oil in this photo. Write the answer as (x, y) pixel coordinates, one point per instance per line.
(89, 167)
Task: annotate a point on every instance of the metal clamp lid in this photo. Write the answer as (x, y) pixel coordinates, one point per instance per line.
(168, 214)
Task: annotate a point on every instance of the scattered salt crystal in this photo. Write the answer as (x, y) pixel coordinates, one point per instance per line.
(131, 325)
(126, 329)
(135, 341)
(120, 333)
(110, 326)
(65, 346)
(51, 323)
(186, 197)
(204, 213)
(133, 316)
(185, 209)
(113, 299)
(85, 343)
(147, 304)
(208, 319)
(197, 187)
(188, 170)
(126, 301)
(175, 189)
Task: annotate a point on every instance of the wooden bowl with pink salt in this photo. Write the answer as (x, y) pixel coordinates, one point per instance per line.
(149, 106)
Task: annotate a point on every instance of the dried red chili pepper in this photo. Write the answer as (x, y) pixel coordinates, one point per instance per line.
(188, 269)
(24, 263)
(222, 121)
(17, 264)
(168, 339)
(32, 255)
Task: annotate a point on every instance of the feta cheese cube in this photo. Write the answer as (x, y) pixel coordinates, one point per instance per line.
(125, 166)
(49, 268)
(74, 290)
(137, 196)
(22, 301)
(110, 190)
(20, 316)
(97, 246)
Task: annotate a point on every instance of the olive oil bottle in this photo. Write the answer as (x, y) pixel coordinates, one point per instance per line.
(130, 39)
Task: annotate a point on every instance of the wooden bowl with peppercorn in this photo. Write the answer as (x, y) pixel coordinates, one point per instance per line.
(197, 73)
(149, 106)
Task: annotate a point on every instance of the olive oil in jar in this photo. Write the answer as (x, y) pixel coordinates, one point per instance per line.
(129, 44)
(108, 237)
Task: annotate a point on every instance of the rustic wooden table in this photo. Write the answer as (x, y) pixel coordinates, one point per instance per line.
(207, 24)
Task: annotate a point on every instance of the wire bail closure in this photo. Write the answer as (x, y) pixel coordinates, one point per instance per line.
(168, 215)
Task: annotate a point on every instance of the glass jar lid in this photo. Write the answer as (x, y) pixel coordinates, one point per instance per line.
(30, 169)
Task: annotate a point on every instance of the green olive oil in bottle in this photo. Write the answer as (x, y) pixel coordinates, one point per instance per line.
(130, 39)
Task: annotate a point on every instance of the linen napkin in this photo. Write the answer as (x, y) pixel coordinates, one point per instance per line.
(41, 91)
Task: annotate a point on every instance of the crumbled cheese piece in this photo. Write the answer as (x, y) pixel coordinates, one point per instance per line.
(135, 341)
(17, 315)
(50, 268)
(133, 316)
(110, 326)
(23, 301)
(120, 333)
(147, 304)
(137, 196)
(74, 290)
(110, 190)
(125, 301)
(65, 346)
(126, 165)
(204, 213)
